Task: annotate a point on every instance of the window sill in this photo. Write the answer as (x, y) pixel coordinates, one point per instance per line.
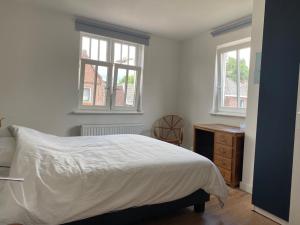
(228, 114)
(91, 112)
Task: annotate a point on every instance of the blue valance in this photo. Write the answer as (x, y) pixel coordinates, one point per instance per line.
(112, 31)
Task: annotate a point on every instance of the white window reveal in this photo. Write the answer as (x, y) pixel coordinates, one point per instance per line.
(110, 74)
(233, 62)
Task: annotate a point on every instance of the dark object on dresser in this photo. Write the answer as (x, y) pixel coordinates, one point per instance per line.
(224, 145)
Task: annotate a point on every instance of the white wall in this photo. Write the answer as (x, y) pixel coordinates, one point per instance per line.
(39, 71)
(196, 80)
(253, 92)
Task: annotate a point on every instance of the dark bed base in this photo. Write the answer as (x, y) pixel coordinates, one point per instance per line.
(137, 214)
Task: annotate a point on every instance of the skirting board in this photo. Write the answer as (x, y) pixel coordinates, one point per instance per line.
(269, 215)
(246, 187)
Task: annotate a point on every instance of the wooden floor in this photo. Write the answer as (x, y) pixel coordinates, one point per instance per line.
(237, 211)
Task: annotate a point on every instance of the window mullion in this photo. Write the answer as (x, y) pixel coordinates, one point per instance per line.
(126, 84)
(114, 89)
(219, 81)
(81, 86)
(137, 57)
(111, 53)
(110, 87)
(238, 78)
(137, 100)
(128, 54)
(98, 49)
(113, 68)
(121, 54)
(95, 85)
(90, 48)
(222, 80)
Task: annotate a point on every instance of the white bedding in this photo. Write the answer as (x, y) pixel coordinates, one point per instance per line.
(71, 178)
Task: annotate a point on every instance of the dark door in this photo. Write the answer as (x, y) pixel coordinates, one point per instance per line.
(277, 107)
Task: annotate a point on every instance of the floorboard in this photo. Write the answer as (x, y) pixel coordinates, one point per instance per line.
(237, 211)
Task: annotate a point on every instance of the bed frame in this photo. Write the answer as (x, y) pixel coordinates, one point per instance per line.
(137, 214)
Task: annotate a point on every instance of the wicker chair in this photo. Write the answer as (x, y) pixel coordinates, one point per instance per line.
(169, 129)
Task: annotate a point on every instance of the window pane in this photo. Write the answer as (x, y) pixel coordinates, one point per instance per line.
(131, 88)
(94, 49)
(121, 87)
(101, 86)
(103, 50)
(85, 47)
(125, 54)
(229, 78)
(132, 58)
(117, 53)
(244, 64)
(87, 95)
(89, 79)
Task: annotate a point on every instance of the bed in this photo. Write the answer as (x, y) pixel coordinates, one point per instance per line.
(114, 179)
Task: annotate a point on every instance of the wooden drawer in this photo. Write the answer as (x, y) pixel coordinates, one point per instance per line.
(222, 162)
(226, 174)
(223, 138)
(223, 150)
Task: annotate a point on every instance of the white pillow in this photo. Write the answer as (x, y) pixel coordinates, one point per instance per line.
(7, 150)
(4, 132)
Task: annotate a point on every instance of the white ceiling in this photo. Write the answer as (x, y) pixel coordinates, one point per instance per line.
(178, 19)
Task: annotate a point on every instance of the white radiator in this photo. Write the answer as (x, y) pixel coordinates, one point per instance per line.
(107, 129)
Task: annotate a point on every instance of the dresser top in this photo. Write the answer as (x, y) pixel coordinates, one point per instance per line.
(219, 127)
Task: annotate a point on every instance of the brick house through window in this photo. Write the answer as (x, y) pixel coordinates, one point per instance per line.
(230, 95)
(89, 83)
(89, 86)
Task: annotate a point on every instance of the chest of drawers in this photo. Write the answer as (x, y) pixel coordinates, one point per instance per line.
(224, 146)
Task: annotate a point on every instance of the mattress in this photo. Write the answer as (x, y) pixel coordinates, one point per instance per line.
(72, 178)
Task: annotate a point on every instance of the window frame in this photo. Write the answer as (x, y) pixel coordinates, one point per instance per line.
(81, 84)
(220, 84)
(110, 106)
(91, 36)
(137, 88)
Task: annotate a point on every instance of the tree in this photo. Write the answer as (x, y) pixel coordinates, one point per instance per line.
(231, 69)
(131, 79)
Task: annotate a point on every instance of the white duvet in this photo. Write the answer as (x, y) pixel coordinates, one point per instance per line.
(71, 178)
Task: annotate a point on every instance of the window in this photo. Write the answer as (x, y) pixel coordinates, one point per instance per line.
(110, 74)
(233, 61)
(87, 95)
